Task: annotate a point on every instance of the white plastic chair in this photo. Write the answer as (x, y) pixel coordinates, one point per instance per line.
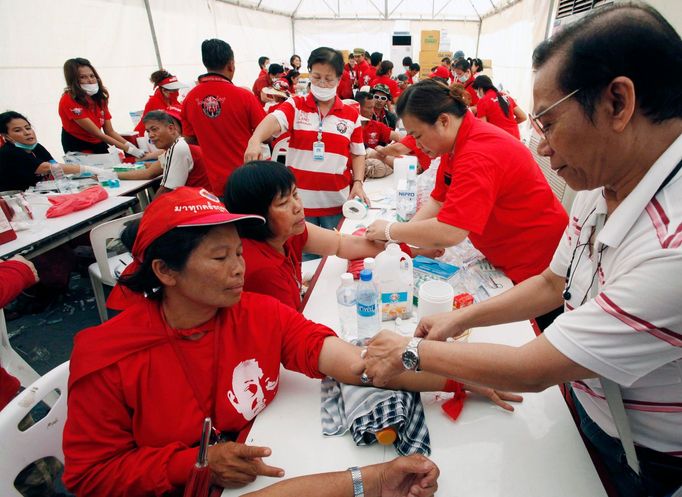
(103, 271)
(12, 361)
(43, 439)
(281, 149)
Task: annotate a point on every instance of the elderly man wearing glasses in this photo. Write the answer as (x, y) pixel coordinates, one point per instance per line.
(616, 136)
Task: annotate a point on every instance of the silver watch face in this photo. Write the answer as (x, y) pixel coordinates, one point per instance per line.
(410, 360)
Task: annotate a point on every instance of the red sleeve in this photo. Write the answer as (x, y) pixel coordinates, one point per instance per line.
(384, 133)
(472, 193)
(14, 277)
(107, 115)
(261, 281)
(69, 108)
(482, 108)
(288, 108)
(101, 456)
(9, 386)
(441, 189)
(302, 342)
(187, 129)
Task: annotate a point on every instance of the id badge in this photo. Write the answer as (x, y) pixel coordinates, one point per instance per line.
(318, 151)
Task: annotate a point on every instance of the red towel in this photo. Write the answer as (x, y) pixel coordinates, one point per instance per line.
(72, 202)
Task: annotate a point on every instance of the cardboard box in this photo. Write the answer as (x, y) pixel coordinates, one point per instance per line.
(443, 54)
(345, 55)
(487, 63)
(430, 40)
(428, 59)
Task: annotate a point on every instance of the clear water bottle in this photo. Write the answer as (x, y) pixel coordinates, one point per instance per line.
(59, 178)
(346, 299)
(406, 202)
(369, 313)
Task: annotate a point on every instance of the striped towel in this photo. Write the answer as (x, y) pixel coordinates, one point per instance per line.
(366, 410)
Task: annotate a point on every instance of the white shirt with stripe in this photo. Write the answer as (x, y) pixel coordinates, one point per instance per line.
(323, 185)
(177, 163)
(631, 333)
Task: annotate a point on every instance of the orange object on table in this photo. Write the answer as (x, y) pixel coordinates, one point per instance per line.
(462, 300)
(387, 436)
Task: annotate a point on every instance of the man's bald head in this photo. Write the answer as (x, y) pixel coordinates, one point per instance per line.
(624, 39)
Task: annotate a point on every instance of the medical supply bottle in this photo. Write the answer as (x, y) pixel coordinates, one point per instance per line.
(393, 276)
(60, 180)
(406, 201)
(369, 314)
(348, 314)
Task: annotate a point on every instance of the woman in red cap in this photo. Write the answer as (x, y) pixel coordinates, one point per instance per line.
(166, 91)
(141, 384)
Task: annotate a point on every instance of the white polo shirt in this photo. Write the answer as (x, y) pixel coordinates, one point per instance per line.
(631, 332)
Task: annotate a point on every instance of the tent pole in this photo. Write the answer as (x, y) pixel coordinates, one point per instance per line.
(293, 35)
(550, 18)
(153, 32)
(478, 37)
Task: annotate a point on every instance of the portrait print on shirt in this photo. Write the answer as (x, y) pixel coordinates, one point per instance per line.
(247, 395)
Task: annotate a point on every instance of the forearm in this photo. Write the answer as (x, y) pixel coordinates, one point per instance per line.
(267, 127)
(428, 233)
(529, 299)
(428, 211)
(357, 247)
(358, 167)
(122, 143)
(150, 172)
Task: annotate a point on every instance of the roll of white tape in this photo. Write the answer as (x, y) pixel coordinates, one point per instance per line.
(354, 209)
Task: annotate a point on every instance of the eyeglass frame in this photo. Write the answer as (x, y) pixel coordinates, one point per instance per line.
(535, 119)
(383, 98)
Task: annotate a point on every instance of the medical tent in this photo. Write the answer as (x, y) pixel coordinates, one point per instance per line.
(126, 40)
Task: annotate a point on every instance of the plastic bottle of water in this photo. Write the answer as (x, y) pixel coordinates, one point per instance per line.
(369, 313)
(406, 203)
(346, 299)
(59, 179)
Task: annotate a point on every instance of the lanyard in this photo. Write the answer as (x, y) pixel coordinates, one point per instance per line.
(208, 410)
(319, 127)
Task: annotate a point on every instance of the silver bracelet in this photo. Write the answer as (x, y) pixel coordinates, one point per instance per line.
(358, 487)
(387, 233)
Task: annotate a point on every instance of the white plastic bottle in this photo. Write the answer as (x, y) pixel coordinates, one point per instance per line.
(59, 178)
(346, 300)
(369, 314)
(368, 263)
(393, 276)
(406, 201)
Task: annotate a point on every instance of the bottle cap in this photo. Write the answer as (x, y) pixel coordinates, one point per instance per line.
(347, 279)
(387, 436)
(366, 275)
(368, 263)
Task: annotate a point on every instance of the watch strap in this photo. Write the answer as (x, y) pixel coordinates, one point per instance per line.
(358, 487)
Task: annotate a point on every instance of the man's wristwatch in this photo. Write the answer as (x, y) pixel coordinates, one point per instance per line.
(358, 487)
(411, 355)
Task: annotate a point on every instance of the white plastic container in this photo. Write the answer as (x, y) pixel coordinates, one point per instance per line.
(393, 269)
(435, 297)
(400, 166)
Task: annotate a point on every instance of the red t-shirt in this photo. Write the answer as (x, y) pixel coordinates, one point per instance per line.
(385, 80)
(156, 102)
(489, 107)
(134, 417)
(272, 273)
(423, 159)
(361, 68)
(376, 133)
(493, 188)
(369, 74)
(345, 88)
(222, 117)
(263, 81)
(70, 111)
(468, 86)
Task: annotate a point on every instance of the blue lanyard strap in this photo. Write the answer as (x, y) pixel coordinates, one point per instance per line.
(319, 127)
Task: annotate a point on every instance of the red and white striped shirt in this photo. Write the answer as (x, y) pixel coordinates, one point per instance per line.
(323, 185)
(631, 332)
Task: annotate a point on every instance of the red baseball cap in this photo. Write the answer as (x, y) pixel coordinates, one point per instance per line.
(440, 72)
(183, 207)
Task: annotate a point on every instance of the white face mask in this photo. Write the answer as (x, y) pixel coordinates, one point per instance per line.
(464, 78)
(323, 94)
(90, 88)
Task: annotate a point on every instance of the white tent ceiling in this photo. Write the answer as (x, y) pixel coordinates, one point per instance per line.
(378, 9)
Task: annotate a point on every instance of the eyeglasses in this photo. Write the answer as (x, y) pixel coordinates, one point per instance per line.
(383, 98)
(535, 119)
(323, 83)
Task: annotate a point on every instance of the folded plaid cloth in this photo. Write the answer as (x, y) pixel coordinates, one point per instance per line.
(366, 410)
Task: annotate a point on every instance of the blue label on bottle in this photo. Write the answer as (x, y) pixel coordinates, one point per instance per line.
(367, 310)
(392, 298)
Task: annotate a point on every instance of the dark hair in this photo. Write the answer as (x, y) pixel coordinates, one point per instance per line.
(428, 99)
(384, 68)
(163, 117)
(326, 55)
(351, 56)
(462, 64)
(261, 60)
(290, 78)
(375, 58)
(407, 61)
(485, 83)
(401, 77)
(173, 248)
(275, 69)
(252, 188)
(6, 117)
(129, 233)
(446, 60)
(415, 67)
(367, 55)
(291, 59)
(610, 42)
(216, 54)
(73, 86)
(362, 96)
(158, 76)
(478, 62)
